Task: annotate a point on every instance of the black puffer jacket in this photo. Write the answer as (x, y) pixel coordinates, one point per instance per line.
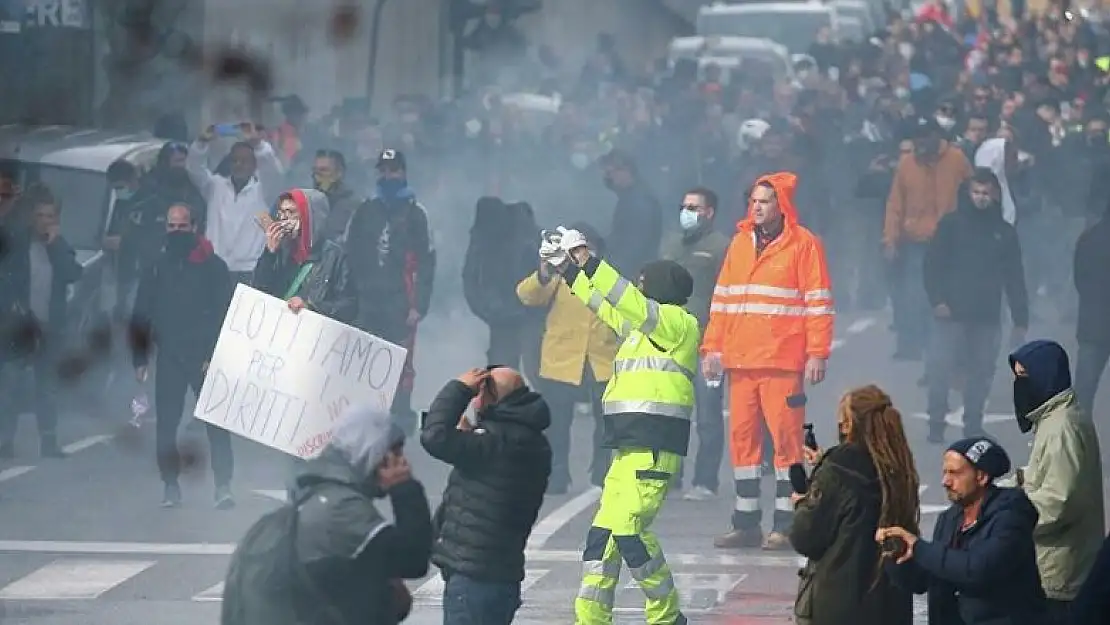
(495, 491)
(1092, 258)
(834, 526)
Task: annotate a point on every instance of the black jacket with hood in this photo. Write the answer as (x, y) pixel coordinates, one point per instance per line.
(1092, 266)
(834, 527)
(180, 306)
(328, 288)
(502, 252)
(497, 486)
(349, 550)
(973, 259)
(985, 575)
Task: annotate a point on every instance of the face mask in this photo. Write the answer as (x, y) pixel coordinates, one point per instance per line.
(324, 183)
(945, 122)
(1025, 402)
(390, 187)
(688, 219)
(125, 194)
(902, 93)
(579, 160)
(179, 244)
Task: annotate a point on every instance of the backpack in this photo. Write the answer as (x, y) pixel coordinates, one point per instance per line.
(266, 582)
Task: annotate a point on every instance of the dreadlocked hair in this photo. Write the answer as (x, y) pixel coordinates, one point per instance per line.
(877, 426)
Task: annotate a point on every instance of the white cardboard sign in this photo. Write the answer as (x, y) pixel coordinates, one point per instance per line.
(282, 378)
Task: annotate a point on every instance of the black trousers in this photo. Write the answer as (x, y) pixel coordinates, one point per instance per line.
(172, 379)
(710, 427)
(16, 375)
(560, 399)
(504, 346)
(392, 326)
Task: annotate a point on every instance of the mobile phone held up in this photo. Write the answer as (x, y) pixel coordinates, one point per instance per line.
(810, 440)
(228, 130)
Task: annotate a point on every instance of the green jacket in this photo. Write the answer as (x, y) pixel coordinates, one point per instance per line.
(1064, 482)
(701, 253)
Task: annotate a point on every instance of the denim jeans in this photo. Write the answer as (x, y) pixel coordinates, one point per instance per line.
(971, 349)
(710, 425)
(1089, 364)
(913, 324)
(467, 601)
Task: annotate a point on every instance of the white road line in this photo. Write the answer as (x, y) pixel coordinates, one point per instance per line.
(13, 472)
(931, 508)
(430, 592)
(226, 549)
(215, 593)
(836, 344)
(74, 579)
(277, 495)
(85, 443)
(860, 325)
(553, 522)
(956, 417)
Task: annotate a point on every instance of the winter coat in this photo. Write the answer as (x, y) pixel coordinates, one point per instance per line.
(498, 479)
(1091, 268)
(702, 253)
(985, 575)
(328, 288)
(180, 306)
(834, 527)
(502, 252)
(922, 194)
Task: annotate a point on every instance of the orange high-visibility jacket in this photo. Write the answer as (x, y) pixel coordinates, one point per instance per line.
(773, 311)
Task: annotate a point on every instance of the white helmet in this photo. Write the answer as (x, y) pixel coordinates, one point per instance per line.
(750, 132)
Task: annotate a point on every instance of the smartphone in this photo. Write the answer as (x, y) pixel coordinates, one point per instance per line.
(796, 401)
(423, 418)
(228, 130)
(809, 437)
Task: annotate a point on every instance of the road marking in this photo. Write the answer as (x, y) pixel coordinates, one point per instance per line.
(860, 325)
(739, 559)
(932, 508)
(85, 443)
(74, 579)
(553, 522)
(277, 495)
(699, 591)
(430, 593)
(956, 417)
(215, 593)
(13, 472)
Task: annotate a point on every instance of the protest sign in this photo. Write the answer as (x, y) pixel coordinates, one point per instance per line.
(282, 378)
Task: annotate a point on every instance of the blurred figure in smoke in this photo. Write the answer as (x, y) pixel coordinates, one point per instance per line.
(255, 177)
(926, 187)
(1092, 330)
(301, 265)
(329, 172)
(182, 298)
(976, 130)
(499, 256)
(972, 260)
(700, 249)
(389, 243)
(637, 218)
(286, 138)
(576, 361)
(170, 180)
(136, 233)
(35, 276)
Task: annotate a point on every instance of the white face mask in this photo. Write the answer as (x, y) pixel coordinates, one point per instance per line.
(579, 160)
(902, 93)
(688, 219)
(945, 122)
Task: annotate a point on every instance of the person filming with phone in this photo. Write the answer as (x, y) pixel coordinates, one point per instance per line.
(866, 481)
(501, 463)
(980, 568)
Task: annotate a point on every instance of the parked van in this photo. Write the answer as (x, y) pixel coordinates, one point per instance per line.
(791, 24)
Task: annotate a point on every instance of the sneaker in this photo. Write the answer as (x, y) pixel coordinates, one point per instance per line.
(224, 500)
(777, 541)
(171, 495)
(699, 493)
(739, 539)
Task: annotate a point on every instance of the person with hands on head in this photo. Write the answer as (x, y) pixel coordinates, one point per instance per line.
(647, 406)
(253, 181)
(302, 266)
(501, 463)
(980, 568)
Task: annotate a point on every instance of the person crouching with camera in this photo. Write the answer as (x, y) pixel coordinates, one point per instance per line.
(866, 482)
(501, 463)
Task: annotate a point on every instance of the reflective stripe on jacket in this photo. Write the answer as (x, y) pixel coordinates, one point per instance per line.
(649, 401)
(772, 310)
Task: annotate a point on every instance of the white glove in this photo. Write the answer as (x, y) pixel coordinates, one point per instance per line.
(570, 239)
(551, 253)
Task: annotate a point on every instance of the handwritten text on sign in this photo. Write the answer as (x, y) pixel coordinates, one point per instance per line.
(282, 378)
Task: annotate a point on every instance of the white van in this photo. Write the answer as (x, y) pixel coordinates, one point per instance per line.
(791, 24)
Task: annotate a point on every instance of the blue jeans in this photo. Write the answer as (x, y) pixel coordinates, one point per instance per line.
(913, 324)
(467, 601)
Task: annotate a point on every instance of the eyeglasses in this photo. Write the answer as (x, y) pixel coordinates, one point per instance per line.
(689, 207)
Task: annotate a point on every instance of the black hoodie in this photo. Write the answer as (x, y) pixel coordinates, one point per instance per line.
(495, 491)
(973, 259)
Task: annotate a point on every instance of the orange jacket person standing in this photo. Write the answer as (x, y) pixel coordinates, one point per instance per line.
(770, 330)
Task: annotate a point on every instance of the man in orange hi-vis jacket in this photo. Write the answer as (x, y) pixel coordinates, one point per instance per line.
(770, 330)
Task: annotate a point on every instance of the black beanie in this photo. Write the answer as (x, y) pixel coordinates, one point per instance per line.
(667, 282)
(984, 454)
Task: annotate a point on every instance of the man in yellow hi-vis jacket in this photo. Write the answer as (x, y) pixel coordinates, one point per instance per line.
(648, 405)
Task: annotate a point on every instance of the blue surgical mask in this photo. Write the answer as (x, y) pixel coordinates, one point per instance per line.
(688, 219)
(390, 187)
(125, 194)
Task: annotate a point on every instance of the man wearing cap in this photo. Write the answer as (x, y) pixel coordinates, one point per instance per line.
(389, 249)
(980, 568)
(1064, 476)
(648, 404)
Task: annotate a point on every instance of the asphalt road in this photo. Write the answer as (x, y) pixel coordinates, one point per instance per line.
(83, 541)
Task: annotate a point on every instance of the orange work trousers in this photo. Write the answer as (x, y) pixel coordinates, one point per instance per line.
(759, 397)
